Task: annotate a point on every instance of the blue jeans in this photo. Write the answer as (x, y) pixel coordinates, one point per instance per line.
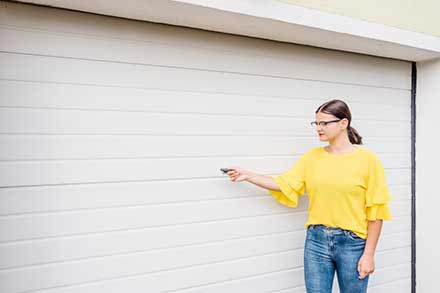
(330, 249)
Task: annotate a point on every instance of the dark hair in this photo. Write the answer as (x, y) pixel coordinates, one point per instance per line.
(339, 109)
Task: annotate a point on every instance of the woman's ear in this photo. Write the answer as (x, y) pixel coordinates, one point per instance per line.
(344, 122)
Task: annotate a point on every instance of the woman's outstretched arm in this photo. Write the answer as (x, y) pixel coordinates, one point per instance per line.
(264, 181)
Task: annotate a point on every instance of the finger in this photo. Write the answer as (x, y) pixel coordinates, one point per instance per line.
(362, 275)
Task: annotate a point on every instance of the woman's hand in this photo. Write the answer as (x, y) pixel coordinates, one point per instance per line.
(365, 265)
(238, 174)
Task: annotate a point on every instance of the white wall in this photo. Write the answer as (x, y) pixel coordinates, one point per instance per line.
(427, 176)
(274, 20)
(112, 133)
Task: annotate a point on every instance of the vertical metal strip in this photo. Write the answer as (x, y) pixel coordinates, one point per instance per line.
(413, 175)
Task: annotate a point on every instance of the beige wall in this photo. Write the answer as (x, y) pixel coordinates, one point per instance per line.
(419, 16)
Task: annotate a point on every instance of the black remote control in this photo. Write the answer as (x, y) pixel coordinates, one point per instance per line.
(225, 170)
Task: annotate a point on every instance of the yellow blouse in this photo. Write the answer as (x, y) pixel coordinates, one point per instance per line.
(344, 191)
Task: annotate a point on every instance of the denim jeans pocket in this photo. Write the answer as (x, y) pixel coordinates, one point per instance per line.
(353, 236)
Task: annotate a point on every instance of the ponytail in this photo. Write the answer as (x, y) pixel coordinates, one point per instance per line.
(354, 136)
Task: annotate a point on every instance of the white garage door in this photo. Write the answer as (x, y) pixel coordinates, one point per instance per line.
(112, 136)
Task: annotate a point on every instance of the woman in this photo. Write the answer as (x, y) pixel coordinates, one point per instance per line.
(348, 200)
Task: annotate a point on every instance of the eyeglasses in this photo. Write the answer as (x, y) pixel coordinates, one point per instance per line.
(323, 123)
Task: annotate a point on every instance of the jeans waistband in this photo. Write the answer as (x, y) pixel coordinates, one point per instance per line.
(323, 227)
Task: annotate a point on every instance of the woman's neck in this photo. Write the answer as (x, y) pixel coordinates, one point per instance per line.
(340, 147)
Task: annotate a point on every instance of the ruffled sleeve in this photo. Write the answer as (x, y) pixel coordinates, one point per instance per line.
(291, 184)
(377, 193)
